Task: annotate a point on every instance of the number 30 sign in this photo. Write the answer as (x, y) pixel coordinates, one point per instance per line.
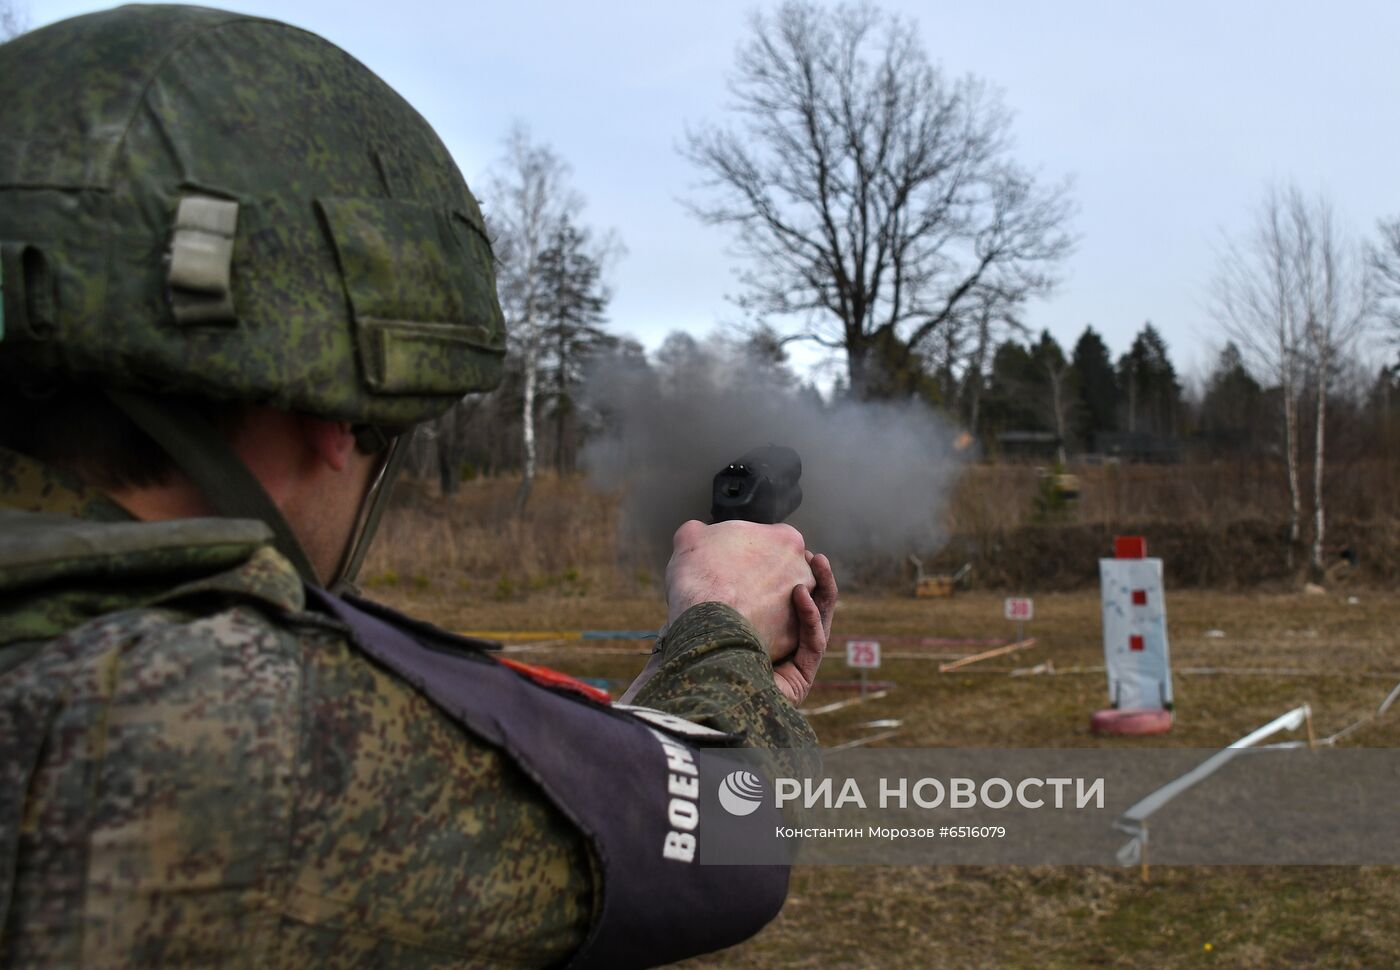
(1018, 608)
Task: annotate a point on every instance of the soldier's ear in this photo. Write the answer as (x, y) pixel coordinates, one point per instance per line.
(331, 442)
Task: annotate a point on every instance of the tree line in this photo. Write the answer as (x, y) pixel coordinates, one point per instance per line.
(1091, 404)
(883, 215)
(879, 212)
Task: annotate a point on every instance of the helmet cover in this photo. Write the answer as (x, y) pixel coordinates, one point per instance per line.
(201, 202)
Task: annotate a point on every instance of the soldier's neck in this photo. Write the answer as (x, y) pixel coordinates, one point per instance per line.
(177, 499)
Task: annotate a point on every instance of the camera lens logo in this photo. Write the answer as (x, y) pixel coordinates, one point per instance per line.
(741, 793)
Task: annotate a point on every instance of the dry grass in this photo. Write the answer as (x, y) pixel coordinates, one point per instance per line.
(468, 565)
(1061, 917)
(474, 544)
(1347, 656)
(1209, 494)
(1215, 526)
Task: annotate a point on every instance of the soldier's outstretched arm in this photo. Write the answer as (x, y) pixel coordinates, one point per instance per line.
(749, 617)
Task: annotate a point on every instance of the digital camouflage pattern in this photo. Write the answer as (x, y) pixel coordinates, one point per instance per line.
(359, 282)
(33, 487)
(194, 771)
(701, 679)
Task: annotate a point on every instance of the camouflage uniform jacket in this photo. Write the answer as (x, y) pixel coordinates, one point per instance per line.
(195, 770)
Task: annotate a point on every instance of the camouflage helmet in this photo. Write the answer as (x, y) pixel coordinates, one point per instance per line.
(200, 202)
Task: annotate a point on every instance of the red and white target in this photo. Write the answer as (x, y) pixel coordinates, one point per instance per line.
(1135, 629)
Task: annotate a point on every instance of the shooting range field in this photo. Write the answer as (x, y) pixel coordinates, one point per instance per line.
(1278, 651)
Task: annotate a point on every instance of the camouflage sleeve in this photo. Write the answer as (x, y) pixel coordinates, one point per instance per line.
(714, 670)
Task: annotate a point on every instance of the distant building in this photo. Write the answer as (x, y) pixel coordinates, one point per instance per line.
(1140, 446)
(1034, 445)
(1214, 444)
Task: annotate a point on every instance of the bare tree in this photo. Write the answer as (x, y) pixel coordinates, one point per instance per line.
(1383, 255)
(1294, 296)
(1257, 302)
(527, 200)
(1337, 296)
(871, 197)
(13, 20)
(1052, 388)
(989, 323)
(1057, 376)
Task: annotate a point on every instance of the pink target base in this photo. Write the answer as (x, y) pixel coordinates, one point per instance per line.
(1132, 721)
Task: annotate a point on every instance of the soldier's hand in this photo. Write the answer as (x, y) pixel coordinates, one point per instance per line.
(753, 568)
(814, 611)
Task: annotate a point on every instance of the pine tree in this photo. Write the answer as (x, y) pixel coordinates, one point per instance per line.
(1232, 409)
(1150, 393)
(572, 313)
(1008, 403)
(1098, 387)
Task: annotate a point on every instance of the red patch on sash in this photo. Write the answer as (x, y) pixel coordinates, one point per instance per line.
(555, 680)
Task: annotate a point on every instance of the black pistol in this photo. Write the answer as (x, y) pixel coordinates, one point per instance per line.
(761, 486)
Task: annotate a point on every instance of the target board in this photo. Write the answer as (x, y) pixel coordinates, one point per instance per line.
(1135, 633)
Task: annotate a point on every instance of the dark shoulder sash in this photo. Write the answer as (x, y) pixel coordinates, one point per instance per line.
(634, 791)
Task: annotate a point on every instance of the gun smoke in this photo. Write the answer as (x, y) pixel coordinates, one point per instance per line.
(876, 476)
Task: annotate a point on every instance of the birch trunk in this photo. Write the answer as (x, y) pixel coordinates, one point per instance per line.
(527, 416)
(528, 201)
(1297, 295)
(1319, 453)
(1057, 380)
(1290, 439)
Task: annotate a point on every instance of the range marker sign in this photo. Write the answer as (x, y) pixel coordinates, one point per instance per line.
(863, 654)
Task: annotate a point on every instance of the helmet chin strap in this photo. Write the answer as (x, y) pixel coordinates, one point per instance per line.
(201, 452)
(367, 524)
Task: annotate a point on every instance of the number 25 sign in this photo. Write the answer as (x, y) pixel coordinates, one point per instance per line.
(862, 653)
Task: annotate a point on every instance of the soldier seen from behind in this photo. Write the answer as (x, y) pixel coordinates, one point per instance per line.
(237, 271)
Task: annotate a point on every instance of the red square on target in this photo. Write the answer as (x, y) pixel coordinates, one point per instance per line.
(1135, 642)
(1139, 597)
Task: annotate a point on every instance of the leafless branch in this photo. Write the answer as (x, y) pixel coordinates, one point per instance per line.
(869, 195)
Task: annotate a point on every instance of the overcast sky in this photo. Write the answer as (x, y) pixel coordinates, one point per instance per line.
(1171, 118)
